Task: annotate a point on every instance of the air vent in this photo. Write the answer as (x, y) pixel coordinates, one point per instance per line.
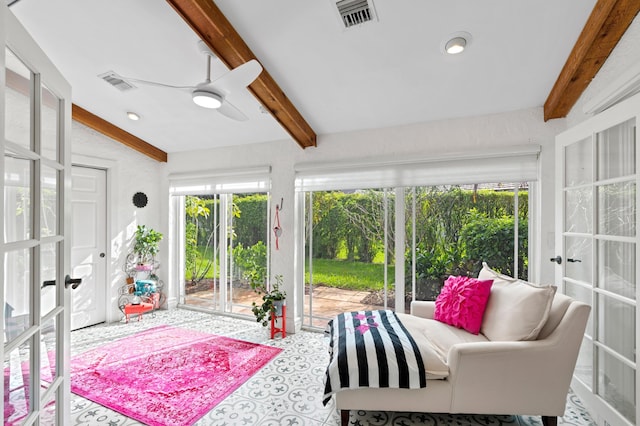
(116, 81)
(356, 12)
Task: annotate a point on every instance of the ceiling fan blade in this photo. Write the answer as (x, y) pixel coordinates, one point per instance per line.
(228, 110)
(154, 83)
(238, 77)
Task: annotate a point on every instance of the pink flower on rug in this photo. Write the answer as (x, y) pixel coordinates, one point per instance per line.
(167, 375)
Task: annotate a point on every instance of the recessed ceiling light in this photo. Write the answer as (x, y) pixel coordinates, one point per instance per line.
(207, 99)
(133, 116)
(456, 43)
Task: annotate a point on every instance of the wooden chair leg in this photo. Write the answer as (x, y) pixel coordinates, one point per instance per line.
(549, 421)
(344, 417)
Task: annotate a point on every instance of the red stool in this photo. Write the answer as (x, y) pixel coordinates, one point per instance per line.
(139, 309)
(283, 317)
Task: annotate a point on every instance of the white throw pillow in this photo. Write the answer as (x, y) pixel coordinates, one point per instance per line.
(516, 310)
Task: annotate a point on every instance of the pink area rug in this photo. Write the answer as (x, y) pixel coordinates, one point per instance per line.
(166, 375)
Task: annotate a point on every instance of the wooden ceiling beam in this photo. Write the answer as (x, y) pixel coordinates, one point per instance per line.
(607, 23)
(208, 22)
(98, 124)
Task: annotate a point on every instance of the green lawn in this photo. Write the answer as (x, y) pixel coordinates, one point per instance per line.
(351, 275)
(344, 274)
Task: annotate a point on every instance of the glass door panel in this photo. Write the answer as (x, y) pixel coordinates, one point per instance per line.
(48, 351)
(579, 255)
(48, 274)
(617, 268)
(617, 384)
(17, 199)
(349, 253)
(617, 151)
(579, 210)
(617, 209)
(202, 250)
(17, 374)
(17, 293)
(611, 314)
(578, 168)
(48, 201)
(17, 101)
(49, 124)
(248, 249)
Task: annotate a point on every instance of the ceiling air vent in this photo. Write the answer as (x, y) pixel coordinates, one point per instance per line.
(116, 81)
(356, 12)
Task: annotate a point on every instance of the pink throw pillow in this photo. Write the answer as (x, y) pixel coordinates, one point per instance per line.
(462, 302)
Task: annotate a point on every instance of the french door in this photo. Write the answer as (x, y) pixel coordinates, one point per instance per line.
(35, 118)
(596, 201)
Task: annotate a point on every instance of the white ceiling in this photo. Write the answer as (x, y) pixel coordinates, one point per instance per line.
(388, 73)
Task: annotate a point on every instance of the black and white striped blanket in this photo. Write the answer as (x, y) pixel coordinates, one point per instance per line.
(371, 349)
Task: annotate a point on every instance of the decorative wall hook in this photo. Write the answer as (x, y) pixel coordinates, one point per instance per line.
(277, 230)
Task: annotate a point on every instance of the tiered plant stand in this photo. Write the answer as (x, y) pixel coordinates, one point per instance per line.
(282, 319)
(145, 293)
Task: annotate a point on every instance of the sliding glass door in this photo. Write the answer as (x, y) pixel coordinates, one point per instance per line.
(349, 252)
(222, 234)
(355, 240)
(225, 250)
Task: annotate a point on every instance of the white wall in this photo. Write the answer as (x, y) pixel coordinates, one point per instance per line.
(127, 172)
(418, 140)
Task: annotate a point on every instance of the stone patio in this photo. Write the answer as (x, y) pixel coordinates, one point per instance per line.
(327, 302)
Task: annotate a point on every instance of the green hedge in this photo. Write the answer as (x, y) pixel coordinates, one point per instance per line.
(491, 240)
(456, 228)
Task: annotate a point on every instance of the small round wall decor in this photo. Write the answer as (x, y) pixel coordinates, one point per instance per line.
(140, 199)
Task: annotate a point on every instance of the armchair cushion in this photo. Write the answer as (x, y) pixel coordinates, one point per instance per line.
(516, 310)
(462, 302)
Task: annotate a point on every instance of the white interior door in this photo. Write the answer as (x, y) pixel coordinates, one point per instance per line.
(597, 240)
(35, 118)
(88, 246)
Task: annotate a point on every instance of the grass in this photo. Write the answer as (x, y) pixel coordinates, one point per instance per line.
(342, 274)
(349, 275)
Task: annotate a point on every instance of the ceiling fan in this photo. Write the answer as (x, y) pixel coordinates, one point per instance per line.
(214, 94)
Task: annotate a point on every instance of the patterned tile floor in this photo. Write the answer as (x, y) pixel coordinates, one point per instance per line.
(288, 391)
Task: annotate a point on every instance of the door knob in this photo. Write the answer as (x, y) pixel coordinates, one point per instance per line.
(102, 255)
(556, 259)
(574, 260)
(68, 281)
(73, 282)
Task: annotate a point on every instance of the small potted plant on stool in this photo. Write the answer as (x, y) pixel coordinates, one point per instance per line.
(272, 301)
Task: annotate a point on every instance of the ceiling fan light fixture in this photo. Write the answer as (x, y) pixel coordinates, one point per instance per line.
(207, 99)
(455, 45)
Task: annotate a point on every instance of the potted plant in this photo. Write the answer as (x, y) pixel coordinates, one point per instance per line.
(146, 246)
(272, 300)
